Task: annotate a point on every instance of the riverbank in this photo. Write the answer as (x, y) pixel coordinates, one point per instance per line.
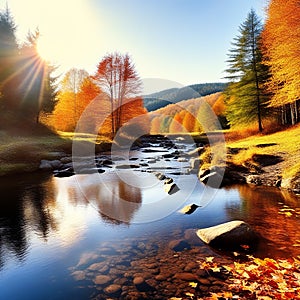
(23, 153)
(270, 160)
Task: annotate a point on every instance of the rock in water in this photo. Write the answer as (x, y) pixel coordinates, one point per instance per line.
(171, 188)
(189, 209)
(230, 235)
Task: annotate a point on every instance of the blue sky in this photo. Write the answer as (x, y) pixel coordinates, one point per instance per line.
(180, 40)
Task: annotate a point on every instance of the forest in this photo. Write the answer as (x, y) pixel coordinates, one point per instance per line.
(262, 88)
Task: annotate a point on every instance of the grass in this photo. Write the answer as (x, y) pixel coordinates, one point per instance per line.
(284, 143)
(20, 154)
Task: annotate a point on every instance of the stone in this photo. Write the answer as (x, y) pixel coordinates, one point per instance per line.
(179, 245)
(78, 275)
(189, 209)
(138, 280)
(171, 188)
(230, 235)
(168, 180)
(196, 152)
(102, 279)
(124, 167)
(182, 159)
(113, 289)
(195, 163)
(213, 179)
(45, 165)
(186, 276)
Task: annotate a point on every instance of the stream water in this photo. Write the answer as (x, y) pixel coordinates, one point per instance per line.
(58, 235)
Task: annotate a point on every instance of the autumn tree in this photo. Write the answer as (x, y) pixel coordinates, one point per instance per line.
(281, 38)
(76, 93)
(70, 86)
(117, 77)
(247, 75)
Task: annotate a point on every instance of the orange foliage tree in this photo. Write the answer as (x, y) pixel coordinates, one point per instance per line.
(117, 77)
(281, 38)
(73, 98)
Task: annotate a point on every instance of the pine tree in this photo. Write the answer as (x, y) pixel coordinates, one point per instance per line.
(247, 75)
(37, 85)
(8, 61)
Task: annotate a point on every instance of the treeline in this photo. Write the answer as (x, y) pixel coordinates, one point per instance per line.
(160, 99)
(263, 79)
(263, 68)
(30, 94)
(195, 115)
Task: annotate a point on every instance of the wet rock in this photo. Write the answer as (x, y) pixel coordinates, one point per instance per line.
(196, 152)
(171, 188)
(102, 279)
(186, 276)
(113, 290)
(124, 167)
(50, 164)
(78, 275)
(64, 173)
(189, 209)
(195, 163)
(160, 176)
(191, 266)
(179, 245)
(213, 179)
(230, 235)
(138, 280)
(204, 281)
(168, 180)
(182, 159)
(66, 159)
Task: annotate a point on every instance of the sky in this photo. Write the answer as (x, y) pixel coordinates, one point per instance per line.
(177, 41)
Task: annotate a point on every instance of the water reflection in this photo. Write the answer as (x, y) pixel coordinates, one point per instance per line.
(265, 209)
(116, 201)
(57, 209)
(22, 208)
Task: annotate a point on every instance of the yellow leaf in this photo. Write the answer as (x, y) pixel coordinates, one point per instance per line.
(190, 295)
(285, 264)
(229, 269)
(209, 259)
(216, 269)
(193, 284)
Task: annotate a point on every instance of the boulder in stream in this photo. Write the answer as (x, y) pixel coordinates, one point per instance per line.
(230, 235)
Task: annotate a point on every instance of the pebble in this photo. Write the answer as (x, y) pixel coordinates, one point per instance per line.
(102, 279)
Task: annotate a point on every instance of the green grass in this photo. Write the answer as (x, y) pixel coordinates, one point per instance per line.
(23, 153)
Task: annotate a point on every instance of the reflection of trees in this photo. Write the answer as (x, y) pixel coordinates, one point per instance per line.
(121, 204)
(259, 207)
(22, 208)
(116, 200)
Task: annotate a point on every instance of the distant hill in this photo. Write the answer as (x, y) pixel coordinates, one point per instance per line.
(163, 98)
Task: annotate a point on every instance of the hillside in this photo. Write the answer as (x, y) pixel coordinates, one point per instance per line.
(163, 98)
(187, 115)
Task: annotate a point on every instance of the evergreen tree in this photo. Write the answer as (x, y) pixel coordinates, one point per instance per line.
(37, 85)
(247, 74)
(8, 61)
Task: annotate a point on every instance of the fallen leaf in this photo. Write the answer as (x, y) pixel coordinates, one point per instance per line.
(209, 259)
(189, 294)
(216, 269)
(193, 284)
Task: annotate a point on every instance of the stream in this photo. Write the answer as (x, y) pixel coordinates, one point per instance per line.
(95, 235)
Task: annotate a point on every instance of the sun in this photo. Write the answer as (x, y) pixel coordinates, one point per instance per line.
(45, 50)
